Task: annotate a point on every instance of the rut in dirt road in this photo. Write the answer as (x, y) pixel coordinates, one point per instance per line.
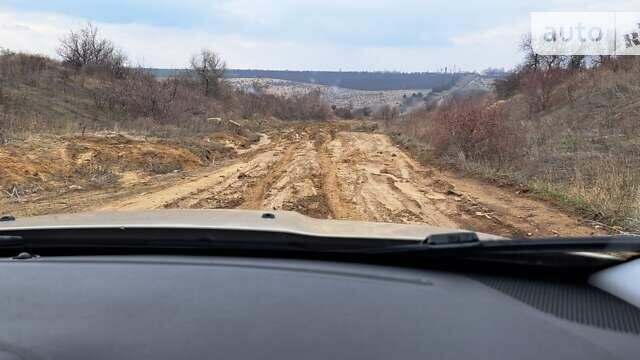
(254, 195)
(322, 172)
(338, 207)
(380, 183)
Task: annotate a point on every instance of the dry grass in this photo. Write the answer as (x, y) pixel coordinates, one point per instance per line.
(611, 190)
(96, 175)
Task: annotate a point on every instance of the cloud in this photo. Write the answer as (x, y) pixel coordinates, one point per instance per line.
(590, 5)
(496, 36)
(248, 11)
(353, 22)
(171, 46)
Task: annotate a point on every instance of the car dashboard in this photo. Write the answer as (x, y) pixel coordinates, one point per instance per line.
(168, 307)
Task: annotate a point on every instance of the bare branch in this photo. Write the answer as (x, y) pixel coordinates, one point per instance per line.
(209, 68)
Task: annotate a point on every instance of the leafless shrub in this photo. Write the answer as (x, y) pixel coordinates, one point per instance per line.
(309, 106)
(476, 129)
(26, 69)
(508, 86)
(175, 100)
(83, 49)
(538, 86)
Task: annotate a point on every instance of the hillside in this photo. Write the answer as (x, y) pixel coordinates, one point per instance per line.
(367, 81)
(569, 135)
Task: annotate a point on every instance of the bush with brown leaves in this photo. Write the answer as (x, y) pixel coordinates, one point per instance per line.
(476, 129)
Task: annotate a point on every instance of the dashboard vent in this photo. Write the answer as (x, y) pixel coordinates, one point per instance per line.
(583, 304)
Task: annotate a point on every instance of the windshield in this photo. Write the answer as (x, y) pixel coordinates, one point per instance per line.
(512, 119)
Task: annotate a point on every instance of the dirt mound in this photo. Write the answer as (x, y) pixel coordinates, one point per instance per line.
(31, 162)
(45, 162)
(124, 154)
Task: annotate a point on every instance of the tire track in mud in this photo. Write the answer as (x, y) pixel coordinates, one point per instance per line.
(338, 208)
(295, 183)
(383, 186)
(254, 195)
(195, 188)
(245, 187)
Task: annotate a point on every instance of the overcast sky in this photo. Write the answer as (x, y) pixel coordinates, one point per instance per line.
(403, 35)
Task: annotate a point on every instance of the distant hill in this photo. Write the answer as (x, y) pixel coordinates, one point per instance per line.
(373, 81)
(358, 80)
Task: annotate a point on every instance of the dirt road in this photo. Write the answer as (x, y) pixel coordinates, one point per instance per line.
(326, 173)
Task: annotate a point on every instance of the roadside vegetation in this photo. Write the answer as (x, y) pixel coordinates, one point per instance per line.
(93, 87)
(565, 128)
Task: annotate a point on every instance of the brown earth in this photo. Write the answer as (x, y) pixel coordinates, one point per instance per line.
(325, 171)
(50, 162)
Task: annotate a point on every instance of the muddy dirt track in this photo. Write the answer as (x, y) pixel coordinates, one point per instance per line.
(324, 172)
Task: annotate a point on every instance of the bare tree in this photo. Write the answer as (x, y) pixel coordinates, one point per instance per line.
(210, 68)
(534, 61)
(84, 49)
